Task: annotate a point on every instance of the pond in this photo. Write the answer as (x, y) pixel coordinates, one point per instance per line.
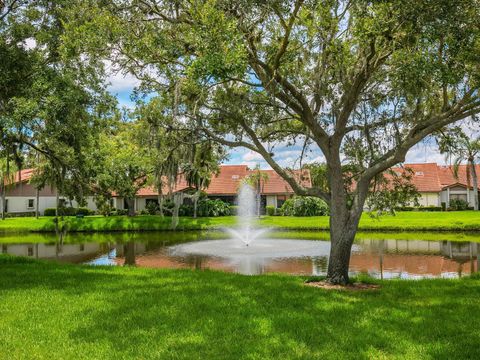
(386, 256)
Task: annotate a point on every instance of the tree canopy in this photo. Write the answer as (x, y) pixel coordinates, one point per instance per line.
(360, 81)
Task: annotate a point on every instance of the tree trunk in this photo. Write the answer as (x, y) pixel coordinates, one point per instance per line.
(342, 234)
(475, 185)
(3, 199)
(343, 224)
(160, 204)
(37, 200)
(131, 206)
(57, 202)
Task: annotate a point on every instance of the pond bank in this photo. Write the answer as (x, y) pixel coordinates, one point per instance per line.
(402, 221)
(124, 312)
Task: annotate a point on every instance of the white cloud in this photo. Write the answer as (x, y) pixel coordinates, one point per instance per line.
(252, 155)
(119, 82)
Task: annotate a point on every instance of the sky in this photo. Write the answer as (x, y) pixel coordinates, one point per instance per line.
(122, 87)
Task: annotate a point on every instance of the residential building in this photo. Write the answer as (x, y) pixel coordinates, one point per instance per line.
(225, 185)
(435, 183)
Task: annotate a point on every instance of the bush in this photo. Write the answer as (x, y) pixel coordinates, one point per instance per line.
(217, 207)
(151, 208)
(233, 210)
(119, 212)
(405, 208)
(85, 211)
(430, 208)
(68, 211)
(458, 205)
(304, 206)
(270, 210)
(185, 210)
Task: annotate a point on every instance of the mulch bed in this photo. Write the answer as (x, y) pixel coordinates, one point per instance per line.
(350, 287)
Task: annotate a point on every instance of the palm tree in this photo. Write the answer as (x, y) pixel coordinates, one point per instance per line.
(458, 145)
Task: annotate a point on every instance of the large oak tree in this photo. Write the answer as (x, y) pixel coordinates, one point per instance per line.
(360, 81)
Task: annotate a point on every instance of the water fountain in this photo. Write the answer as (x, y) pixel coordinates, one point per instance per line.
(248, 249)
(246, 217)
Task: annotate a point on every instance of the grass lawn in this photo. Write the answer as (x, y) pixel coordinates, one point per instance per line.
(50, 311)
(403, 221)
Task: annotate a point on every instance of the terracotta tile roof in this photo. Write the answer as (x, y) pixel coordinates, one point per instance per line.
(425, 177)
(20, 176)
(447, 176)
(229, 178)
(277, 185)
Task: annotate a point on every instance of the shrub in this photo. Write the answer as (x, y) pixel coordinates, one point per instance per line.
(84, 211)
(151, 208)
(304, 206)
(68, 211)
(270, 210)
(430, 208)
(233, 210)
(49, 212)
(458, 204)
(405, 208)
(185, 210)
(119, 212)
(217, 207)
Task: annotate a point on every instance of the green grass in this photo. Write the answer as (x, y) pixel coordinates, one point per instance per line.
(50, 311)
(403, 221)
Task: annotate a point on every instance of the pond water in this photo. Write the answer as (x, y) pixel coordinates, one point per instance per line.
(379, 255)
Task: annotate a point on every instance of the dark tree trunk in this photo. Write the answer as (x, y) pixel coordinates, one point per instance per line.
(342, 233)
(475, 184)
(160, 204)
(4, 189)
(57, 203)
(131, 206)
(344, 217)
(37, 200)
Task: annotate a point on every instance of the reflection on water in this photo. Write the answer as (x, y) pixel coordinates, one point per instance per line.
(386, 259)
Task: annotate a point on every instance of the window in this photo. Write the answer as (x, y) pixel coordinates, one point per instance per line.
(4, 248)
(82, 247)
(419, 173)
(61, 202)
(30, 251)
(235, 177)
(458, 197)
(30, 203)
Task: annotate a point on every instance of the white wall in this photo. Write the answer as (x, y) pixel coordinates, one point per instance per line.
(18, 204)
(429, 199)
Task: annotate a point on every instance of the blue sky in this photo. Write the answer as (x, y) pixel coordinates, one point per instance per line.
(122, 87)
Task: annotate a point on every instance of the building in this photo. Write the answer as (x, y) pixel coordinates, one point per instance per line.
(438, 184)
(21, 195)
(435, 183)
(225, 185)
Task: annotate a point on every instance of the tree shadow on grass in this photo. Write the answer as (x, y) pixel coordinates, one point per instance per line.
(141, 313)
